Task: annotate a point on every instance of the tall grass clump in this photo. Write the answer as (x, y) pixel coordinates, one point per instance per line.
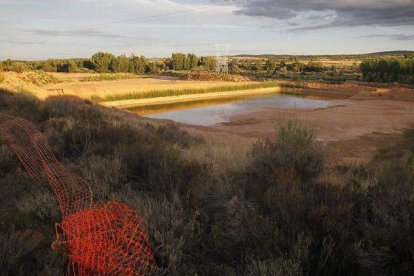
(108, 77)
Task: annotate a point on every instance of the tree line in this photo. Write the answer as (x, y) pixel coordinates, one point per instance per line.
(102, 62)
(375, 70)
(388, 70)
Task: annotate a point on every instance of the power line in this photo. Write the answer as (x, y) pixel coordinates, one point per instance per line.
(143, 19)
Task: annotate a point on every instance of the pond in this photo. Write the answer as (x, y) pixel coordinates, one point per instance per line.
(211, 112)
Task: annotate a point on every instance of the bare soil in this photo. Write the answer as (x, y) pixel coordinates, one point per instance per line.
(353, 129)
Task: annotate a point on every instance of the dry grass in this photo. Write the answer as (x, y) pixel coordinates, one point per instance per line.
(89, 85)
(223, 152)
(108, 77)
(72, 84)
(27, 81)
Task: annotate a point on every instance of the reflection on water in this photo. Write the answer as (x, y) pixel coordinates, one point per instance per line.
(212, 112)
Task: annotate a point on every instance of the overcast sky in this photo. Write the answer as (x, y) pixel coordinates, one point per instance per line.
(39, 29)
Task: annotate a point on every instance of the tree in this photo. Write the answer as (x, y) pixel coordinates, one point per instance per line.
(168, 63)
(152, 68)
(120, 64)
(388, 70)
(193, 61)
(178, 61)
(187, 62)
(137, 64)
(102, 61)
(270, 65)
(209, 63)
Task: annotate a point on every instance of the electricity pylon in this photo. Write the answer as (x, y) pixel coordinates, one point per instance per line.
(222, 52)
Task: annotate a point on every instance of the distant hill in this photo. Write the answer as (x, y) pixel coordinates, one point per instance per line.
(384, 53)
(402, 52)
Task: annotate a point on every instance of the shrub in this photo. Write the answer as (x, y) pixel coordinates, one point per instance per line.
(72, 67)
(105, 175)
(276, 267)
(19, 67)
(296, 152)
(313, 67)
(157, 167)
(40, 203)
(173, 231)
(48, 67)
(173, 134)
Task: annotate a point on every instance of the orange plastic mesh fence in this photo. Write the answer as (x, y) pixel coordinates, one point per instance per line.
(109, 239)
(33, 151)
(120, 240)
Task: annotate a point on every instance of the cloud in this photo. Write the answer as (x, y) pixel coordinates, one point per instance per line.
(347, 13)
(79, 33)
(401, 37)
(20, 42)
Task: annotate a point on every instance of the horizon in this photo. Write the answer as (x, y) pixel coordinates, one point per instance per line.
(38, 30)
(234, 55)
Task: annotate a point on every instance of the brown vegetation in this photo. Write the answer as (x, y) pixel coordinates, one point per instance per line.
(205, 76)
(281, 211)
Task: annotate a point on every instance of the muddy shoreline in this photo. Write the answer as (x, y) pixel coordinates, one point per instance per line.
(353, 129)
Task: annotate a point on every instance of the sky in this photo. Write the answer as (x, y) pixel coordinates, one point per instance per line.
(40, 29)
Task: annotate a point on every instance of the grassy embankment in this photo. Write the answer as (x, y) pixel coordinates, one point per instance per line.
(181, 95)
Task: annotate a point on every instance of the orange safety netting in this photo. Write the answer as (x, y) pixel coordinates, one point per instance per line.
(108, 239)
